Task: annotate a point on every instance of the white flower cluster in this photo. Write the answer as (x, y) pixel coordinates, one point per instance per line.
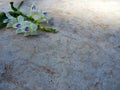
(26, 27)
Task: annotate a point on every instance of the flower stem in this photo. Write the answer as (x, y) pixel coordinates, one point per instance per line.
(47, 29)
(21, 3)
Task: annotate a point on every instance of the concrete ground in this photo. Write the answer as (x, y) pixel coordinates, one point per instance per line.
(84, 55)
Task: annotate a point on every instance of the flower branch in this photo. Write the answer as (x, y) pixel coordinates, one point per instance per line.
(43, 28)
(26, 24)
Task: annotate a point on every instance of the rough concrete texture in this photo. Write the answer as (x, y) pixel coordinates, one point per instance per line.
(84, 55)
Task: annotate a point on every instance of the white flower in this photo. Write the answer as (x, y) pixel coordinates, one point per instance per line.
(26, 27)
(19, 25)
(10, 20)
(30, 29)
(39, 15)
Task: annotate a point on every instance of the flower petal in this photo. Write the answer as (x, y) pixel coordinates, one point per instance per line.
(44, 13)
(26, 29)
(17, 25)
(26, 23)
(7, 21)
(9, 16)
(33, 33)
(33, 27)
(9, 25)
(33, 7)
(27, 34)
(20, 18)
(18, 31)
(44, 20)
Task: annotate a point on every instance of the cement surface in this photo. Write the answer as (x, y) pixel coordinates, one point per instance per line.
(84, 55)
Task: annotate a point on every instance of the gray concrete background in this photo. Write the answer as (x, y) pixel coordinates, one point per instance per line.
(84, 55)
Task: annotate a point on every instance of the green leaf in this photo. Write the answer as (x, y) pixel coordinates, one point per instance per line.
(2, 17)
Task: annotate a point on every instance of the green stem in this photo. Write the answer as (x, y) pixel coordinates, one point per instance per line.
(47, 29)
(13, 8)
(21, 3)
